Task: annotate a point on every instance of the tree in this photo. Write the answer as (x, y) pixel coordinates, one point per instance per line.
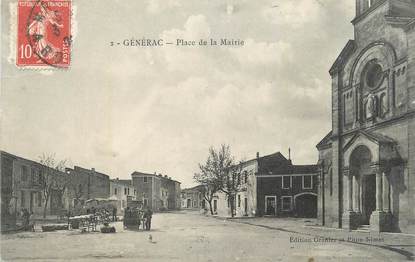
(212, 174)
(53, 178)
(233, 184)
(77, 191)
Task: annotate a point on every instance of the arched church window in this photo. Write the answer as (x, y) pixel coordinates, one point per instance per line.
(373, 75)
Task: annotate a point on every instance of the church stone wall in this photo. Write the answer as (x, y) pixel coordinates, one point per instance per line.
(411, 177)
(397, 123)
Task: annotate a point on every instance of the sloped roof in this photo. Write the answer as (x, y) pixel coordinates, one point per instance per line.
(325, 141)
(126, 182)
(304, 169)
(273, 162)
(195, 188)
(374, 137)
(277, 164)
(346, 52)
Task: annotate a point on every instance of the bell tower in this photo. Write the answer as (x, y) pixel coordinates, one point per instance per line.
(363, 5)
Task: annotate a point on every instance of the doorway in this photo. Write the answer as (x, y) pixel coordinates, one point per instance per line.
(270, 205)
(32, 197)
(368, 197)
(306, 205)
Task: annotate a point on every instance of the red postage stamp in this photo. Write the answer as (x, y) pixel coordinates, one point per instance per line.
(43, 33)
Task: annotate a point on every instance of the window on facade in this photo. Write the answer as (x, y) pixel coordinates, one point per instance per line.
(125, 191)
(145, 202)
(115, 191)
(39, 199)
(33, 176)
(307, 182)
(135, 192)
(40, 177)
(24, 173)
(145, 179)
(239, 200)
(128, 191)
(286, 182)
(286, 204)
(374, 74)
(22, 199)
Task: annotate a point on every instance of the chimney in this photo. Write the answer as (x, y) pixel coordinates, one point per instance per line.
(257, 154)
(93, 169)
(289, 153)
(165, 176)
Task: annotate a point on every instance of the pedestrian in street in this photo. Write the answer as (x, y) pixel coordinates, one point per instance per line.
(126, 216)
(148, 216)
(25, 217)
(114, 214)
(31, 222)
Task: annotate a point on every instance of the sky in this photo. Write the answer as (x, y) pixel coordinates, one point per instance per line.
(159, 109)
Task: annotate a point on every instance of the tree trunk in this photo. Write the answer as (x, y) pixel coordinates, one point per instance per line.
(210, 206)
(231, 200)
(45, 207)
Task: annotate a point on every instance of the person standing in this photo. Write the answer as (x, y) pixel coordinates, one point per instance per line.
(148, 216)
(114, 214)
(31, 221)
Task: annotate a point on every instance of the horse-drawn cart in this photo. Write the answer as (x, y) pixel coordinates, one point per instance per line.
(133, 218)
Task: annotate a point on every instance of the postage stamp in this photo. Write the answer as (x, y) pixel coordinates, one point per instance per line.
(43, 33)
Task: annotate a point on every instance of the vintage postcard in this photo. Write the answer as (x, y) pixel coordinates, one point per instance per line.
(208, 130)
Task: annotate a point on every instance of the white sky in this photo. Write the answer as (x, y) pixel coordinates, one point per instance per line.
(121, 110)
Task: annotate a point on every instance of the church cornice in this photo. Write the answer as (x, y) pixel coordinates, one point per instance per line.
(410, 25)
(346, 52)
(368, 11)
(389, 122)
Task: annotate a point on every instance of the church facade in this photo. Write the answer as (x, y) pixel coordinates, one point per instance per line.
(367, 161)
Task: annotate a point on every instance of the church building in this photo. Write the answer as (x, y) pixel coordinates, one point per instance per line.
(367, 161)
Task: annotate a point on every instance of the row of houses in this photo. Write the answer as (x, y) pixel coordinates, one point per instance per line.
(27, 184)
(271, 186)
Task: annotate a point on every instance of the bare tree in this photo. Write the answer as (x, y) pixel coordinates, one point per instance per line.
(53, 178)
(77, 190)
(212, 174)
(233, 184)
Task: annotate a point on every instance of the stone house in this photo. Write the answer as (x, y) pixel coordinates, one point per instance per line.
(192, 198)
(273, 186)
(285, 189)
(367, 161)
(156, 191)
(22, 180)
(88, 184)
(122, 190)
